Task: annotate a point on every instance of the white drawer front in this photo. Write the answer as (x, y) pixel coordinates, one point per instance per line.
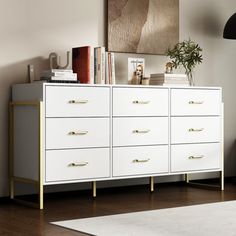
(195, 102)
(195, 129)
(194, 157)
(140, 131)
(140, 160)
(77, 132)
(77, 101)
(140, 102)
(68, 165)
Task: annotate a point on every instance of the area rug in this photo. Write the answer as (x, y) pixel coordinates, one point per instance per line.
(199, 220)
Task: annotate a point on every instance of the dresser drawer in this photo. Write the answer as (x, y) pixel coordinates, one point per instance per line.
(195, 129)
(140, 160)
(194, 157)
(195, 102)
(69, 165)
(140, 102)
(77, 132)
(77, 101)
(140, 131)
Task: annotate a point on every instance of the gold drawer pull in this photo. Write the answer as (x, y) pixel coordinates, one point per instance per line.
(140, 102)
(141, 161)
(78, 101)
(196, 102)
(78, 133)
(195, 130)
(78, 164)
(195, 157)
(144, 131)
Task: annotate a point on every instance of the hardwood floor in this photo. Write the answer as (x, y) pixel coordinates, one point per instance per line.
(17, 220)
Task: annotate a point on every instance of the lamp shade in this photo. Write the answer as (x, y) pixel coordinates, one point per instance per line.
(230, 28)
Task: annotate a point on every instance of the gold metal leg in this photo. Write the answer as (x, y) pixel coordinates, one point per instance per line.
(12, 189)
(222, 184)
(40, 196)
(94, 189)
(186, 178)
(152, 184)
(11, 135)
(208, 186)
(13, 179)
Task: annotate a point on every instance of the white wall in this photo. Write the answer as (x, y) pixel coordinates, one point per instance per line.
(31, 29)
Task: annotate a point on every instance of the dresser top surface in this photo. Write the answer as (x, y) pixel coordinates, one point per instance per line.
(40, 84)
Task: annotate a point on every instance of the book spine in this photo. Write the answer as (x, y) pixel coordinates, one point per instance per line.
(81, 63)
(103, 65)
(99, 72)
(91, 65)
(107, 69)
(95, 65)
(113, 73)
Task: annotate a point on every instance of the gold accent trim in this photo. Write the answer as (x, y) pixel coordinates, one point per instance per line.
(195, 157)
(140, 102)
(195, 102)
(141, 161)
(195, 130)
(78, 101)
(145, 131)
(13, 179)
(78, 164)
(78, 132)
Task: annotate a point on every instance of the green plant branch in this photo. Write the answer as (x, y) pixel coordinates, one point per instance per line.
(186, 54)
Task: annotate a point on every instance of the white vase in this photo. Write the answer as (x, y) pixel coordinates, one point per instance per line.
(191, 79)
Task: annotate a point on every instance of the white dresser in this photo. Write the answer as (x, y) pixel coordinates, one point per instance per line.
(70, 133)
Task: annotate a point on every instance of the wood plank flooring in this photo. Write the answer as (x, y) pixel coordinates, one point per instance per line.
(18, 220)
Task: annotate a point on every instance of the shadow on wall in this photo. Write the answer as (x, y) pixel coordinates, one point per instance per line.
(12, 74)
(231, 158)
(208, 22)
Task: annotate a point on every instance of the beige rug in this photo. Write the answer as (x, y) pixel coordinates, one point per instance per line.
(213, 219)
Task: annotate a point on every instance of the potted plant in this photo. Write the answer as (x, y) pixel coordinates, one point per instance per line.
(186, 54)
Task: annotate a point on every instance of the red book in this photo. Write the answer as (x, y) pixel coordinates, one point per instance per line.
(81, 62)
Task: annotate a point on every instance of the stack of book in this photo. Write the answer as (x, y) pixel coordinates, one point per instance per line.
(169, 79)
(59, 75)
(93, 65)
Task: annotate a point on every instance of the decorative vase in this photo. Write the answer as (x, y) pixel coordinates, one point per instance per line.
(191, 79)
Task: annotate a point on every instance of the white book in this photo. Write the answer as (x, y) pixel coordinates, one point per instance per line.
(56, 73)
(177, 82)
(62, 70)
(71, 77)
(100, 74)
(177, 85)
(64, 78)
(164, 76)
(103, 65)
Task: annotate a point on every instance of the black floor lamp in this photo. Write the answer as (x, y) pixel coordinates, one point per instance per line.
(230, 28)
(230, 33)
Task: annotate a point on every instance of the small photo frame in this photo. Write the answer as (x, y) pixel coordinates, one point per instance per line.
(136, 70)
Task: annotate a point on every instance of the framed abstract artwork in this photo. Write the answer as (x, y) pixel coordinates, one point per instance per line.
(142, 26)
